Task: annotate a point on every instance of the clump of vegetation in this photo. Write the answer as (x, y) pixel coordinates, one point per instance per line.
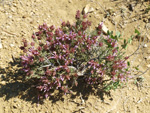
(57, 57)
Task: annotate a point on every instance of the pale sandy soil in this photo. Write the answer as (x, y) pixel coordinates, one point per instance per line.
(20, 18)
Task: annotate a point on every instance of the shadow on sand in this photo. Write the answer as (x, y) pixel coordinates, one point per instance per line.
(15, 85)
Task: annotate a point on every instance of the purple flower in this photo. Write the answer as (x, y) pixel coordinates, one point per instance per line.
(121, 77)
(78, 15)
(113, 78)
(62, 77)
(35, 52)
(25, 58)
(26, 69)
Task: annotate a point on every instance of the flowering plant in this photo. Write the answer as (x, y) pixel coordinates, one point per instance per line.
(57, 57)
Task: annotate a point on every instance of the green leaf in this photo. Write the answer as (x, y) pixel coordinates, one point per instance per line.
(124, 46)
(130, 40)
(128, 63)
(108, 32)
(136, 31)
(118, 34)
(111, 32)
(112, 37)
(135, 82)
(117, 48)
(125, 41)
(136, 68)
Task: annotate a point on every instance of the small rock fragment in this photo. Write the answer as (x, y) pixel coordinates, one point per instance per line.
(11, 45)
(114, 14)
(104, 29)
(10, 16)
(145, 45)
(148, 65)
(3, 83)
(15, 100)
(148, 58)
(88, 9)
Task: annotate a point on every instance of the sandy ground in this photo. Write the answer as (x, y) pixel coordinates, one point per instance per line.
(20, 18)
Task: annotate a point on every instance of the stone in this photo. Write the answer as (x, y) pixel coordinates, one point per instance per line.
(148, 65)
(11, 45)
(10, 16)
(145, 45)
(88, 9)
(15, 100)
(140, 60)
(3, 82)
(148, 58)
(104, 29)
(114, 14)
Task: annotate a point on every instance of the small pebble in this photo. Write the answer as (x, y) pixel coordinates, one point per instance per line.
(15, 100)
(88, 9)
(148, 65)
(140, 60)
(114, 14)
(3, 82)
(148, 58)
(10, 16)
(145, 46)
(104, 29)
(11, 45)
